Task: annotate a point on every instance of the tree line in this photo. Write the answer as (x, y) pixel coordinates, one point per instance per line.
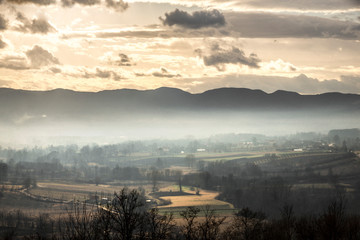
(129, 217)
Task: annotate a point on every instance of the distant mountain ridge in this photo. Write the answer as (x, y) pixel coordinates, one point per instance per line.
(61, 103)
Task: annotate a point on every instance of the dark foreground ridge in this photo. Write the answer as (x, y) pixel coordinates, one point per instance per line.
(128, 217)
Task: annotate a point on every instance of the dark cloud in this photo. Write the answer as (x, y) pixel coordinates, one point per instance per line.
(150, 33)
(14, 62)
(37, 2)
(163, 72)
(40, 57)
(34, 58)
(40, 25)
(198, 19)
(252, 25)
(70, 3)
(123, 60)
(101, 73)
(117, 5)
(268, 25)
(219, 57)
(3, 23)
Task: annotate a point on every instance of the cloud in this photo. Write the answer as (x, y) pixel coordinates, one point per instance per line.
(160, 72)
(293, 5)
(70, 3)
(299, 5)
(3, 23)
(279, 65)
(55, 70)
(249, 25)
(301, 83)
(14, 62)
(164, 73)
(122, 60)
(117, 5)
(2, 43)
(269, 25)
(220, 56)
(4, 83)
(40, 57)
(198, 19)
(37, 2)
(33, 58)
(39, 25)
(100, 73)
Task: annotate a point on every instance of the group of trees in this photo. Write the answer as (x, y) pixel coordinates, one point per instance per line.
(303, 180)
(128, 217)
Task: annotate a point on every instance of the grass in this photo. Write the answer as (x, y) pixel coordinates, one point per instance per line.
(220, 210)
(231, 158)
(72, 191)
(65, 195)
(13, 201)
(205, 198)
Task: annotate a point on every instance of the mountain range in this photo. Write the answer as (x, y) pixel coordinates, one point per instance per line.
(60, 103)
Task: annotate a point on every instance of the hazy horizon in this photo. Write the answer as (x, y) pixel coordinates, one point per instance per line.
(307, 47)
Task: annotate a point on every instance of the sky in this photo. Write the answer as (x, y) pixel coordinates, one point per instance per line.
(305, 46)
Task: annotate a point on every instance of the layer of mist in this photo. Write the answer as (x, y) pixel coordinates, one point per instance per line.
(66, 117)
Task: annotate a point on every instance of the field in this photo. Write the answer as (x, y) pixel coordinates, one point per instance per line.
(76, 191)
(42, 197)
(13, 201)
(308, 171)
(206, 198)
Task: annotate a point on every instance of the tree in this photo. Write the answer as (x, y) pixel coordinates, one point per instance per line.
(287, 221)
(332, 223)
(27, 182)
(128, 210)
(178, 175)
(344, 146)
(209, 229)
(190, 215)
(190, 160)
(154, 178)
(159, 226)
(247, 225)
(336, 140)
(159, 163)
(79, 224)
(3, 171)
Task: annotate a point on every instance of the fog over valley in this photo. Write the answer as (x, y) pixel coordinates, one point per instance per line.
(32, 117)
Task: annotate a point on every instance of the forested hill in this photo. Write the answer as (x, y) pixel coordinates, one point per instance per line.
(62, 103)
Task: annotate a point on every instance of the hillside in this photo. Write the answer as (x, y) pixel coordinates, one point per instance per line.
(66, 103)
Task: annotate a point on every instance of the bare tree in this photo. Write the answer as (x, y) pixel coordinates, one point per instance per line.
(247, 225)
(209, 229)
(128, 209)
(78, 224)
(189, 229)
(160, 226)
